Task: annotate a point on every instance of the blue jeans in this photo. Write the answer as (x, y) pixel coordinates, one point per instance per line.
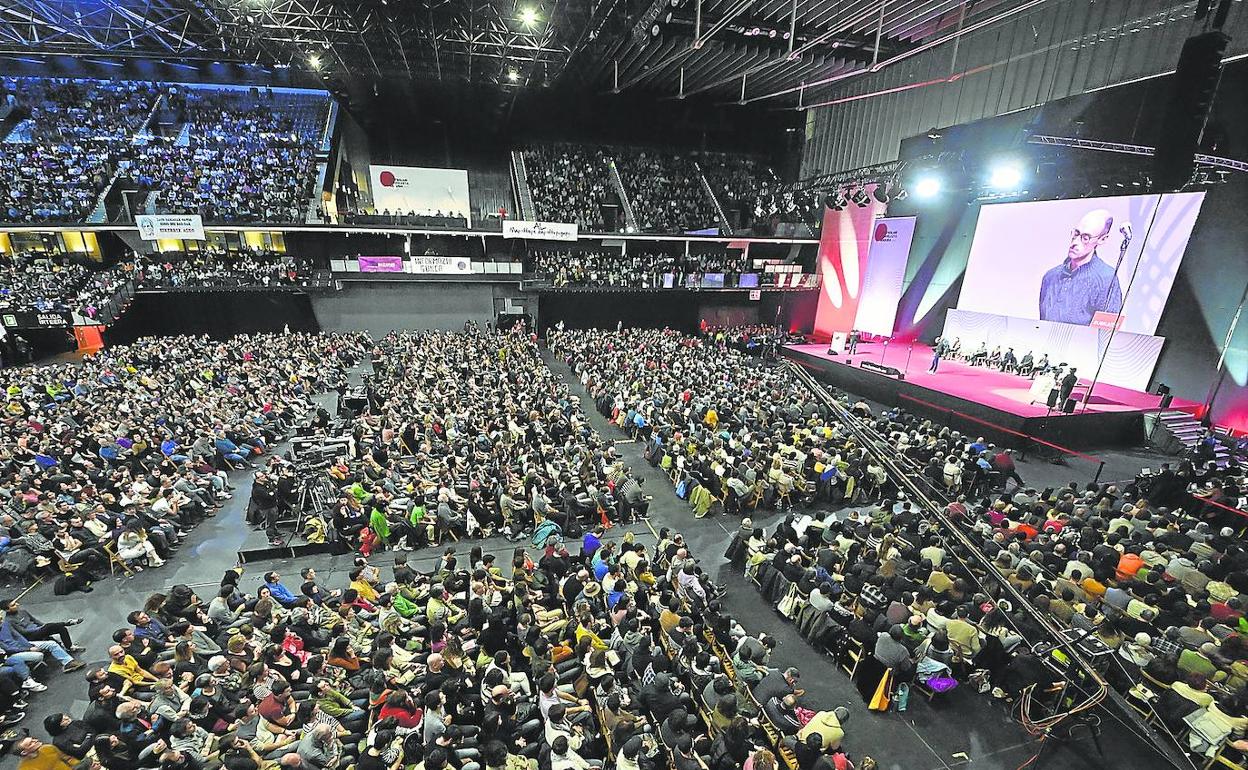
(22, 661)
(55, 649)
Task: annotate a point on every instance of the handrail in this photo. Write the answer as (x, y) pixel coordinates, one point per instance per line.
(886, 457)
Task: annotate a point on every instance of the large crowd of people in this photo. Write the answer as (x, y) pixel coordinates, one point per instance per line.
(738, 181)
(619, 655)
(645, 270)
(70, 138)
(665, 190)
(469, 433)
(244, 159)
(216, 270)
(569, 183)
(109, 461)
(41, 282)
(1151, 570)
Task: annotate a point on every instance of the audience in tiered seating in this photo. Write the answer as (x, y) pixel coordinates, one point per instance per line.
(569, 183)
(639, 270)
(58, 160)
(215, 269)
(38, 281)
(119, 454)
(737, 181)
(245, 161)
(665, 191)
(250, 155)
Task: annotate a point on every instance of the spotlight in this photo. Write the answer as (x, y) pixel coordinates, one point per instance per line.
(314, 62)
(513, 76)
(880, 193)
(927, 187)
(528, 16)
(860, 197)
(1005, 176)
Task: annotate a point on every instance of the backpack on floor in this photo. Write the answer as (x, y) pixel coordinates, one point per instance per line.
(546, 530)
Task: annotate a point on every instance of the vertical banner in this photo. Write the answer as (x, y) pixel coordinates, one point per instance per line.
(843, 246)
(886, 270)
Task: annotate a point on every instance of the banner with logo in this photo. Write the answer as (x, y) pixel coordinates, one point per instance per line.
(440, 265)
(420, 191)
(540, 231)
(381, 264)
(886, 269)
(157, 226)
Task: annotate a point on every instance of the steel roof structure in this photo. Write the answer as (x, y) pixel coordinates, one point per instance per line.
(725, 49)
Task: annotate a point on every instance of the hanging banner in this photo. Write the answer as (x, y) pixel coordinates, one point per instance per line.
(440, 265)
(541, 231)
(886, 269)
(386, 264)
(156, 226)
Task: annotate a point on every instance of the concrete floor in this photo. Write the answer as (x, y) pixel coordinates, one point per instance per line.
(925, 737)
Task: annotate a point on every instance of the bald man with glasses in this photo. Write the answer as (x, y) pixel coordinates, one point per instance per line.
(1083, 284)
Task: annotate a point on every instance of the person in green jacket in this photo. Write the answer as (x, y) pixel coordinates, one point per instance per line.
(381, 527)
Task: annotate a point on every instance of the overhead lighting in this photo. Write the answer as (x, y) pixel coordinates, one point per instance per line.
(880, 193)
(512, 75)
(314, 62)
(927, 187)
(1005, 176)
(860, 197)
(528, 16)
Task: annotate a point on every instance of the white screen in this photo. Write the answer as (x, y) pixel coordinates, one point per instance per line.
(423, 191)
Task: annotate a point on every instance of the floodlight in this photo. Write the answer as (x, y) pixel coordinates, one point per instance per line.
(528, 16)
(927, 186)
(1005, 176)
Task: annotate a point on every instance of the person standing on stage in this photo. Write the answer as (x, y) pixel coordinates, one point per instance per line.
(938, 351)
(853, 341)
(1068, 386)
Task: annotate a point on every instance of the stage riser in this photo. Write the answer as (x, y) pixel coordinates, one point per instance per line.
(1075, 431)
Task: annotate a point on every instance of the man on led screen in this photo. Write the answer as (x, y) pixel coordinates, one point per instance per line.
(1083, 284)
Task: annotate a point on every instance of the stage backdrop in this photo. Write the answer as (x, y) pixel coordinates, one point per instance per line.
(1130, 247)
(886, 269)
(843, 246)
(420, 190)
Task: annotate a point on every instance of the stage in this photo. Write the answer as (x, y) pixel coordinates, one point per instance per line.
(975, 398)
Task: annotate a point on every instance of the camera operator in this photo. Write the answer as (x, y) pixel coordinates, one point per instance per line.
(264, 501)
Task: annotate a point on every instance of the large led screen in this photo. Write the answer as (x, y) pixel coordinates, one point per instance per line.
(1088, 261)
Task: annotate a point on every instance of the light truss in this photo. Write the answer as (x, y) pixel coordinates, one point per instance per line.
(441, 39)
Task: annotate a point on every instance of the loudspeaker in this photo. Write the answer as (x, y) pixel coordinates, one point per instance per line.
(1165, 401)
(1195, 86)
(1069, 406)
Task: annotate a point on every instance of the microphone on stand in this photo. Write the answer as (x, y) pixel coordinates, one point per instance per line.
(1126, 232)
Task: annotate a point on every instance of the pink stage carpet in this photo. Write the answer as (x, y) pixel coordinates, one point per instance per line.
(998, 390)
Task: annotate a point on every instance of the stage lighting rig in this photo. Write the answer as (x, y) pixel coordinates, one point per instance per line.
(881, 192)
(860, 197)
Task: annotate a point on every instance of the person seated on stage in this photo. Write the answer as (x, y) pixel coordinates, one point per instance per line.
(980, 354)
(1009, 362)
(1027, 365)
(955, 349)
(1042, 366)
(994, 360)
